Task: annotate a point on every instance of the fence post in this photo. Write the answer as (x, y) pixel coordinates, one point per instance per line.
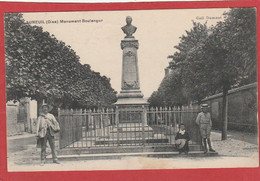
(89, 119)
(84, 124)
(117, 125)
(145, 115)
(80, 124)
(180, 110)
(71, 124)
(65, 125)
(143, 122)
(60, 133)
(95, 123)
(90, 122)
(192, 119)
(103, 116)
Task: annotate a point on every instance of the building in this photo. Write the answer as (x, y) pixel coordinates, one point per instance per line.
(21, 116)
(242, 108)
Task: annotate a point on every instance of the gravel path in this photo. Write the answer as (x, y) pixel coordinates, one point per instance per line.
(233, 147)
(233, 152)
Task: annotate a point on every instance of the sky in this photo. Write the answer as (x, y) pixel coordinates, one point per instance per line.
(98, 43)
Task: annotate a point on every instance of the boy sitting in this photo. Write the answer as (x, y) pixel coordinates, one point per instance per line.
(181, 140)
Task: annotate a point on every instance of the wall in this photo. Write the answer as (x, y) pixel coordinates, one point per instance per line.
(242, 108)
(21, 116)
(33, 116)
(13, 126)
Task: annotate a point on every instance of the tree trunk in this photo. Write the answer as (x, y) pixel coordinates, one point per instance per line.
(224, 112)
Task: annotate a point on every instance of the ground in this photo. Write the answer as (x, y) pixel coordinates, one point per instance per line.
(239, 150)
(237, 144)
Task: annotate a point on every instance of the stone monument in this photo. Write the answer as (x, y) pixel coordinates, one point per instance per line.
(130, 94)
(131, 105)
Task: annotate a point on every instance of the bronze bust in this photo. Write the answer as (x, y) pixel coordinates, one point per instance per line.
(129, 29)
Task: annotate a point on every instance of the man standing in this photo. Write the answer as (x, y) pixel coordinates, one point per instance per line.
(46, 127)
(204, 122)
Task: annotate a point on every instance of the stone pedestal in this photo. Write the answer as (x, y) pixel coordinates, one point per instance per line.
(130, 94)
(131, 105)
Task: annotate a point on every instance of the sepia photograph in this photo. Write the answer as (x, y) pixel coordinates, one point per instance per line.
(131, 89)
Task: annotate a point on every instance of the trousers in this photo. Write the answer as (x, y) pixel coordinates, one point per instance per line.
(185, 148)
(205, 130)
(48, 137)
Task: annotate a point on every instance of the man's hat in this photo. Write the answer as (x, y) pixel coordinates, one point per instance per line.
(46, 105)
(204, 106)
(179, 143)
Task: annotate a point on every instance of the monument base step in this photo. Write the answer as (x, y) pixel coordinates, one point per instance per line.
(130, 100)
(132, 130)
(130, 141)
(124, 149)
(132, 134)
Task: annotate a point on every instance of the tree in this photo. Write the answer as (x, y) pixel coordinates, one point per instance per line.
(170, 92)
(231, 50)
(186, 84)
(156, 99)
(41, 67)
(218, 58)
(187, 60)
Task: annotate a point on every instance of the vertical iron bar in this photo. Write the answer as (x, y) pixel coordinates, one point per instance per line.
(117, 125)
(78, 131)
(143, 136)
(113, 125)
(60, 133)
(90, 129)
(95, 126)
(125, 127)
(148, 137)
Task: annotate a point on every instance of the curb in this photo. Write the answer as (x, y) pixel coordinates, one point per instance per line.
(22, 136)
(123, 155)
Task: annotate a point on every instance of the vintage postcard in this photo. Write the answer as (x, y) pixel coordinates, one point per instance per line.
(131, 89)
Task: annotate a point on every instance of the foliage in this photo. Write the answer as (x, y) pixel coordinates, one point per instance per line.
(215, 59)
(170, 93)
(41, 67)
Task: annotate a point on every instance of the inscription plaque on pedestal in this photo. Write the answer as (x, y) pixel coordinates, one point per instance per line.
(130, 78)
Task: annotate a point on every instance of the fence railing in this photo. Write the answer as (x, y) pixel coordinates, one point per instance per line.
(125, 127)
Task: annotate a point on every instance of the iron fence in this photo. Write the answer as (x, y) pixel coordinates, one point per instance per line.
(128, 126)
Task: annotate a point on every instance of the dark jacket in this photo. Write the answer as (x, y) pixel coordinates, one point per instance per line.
(184, 136)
